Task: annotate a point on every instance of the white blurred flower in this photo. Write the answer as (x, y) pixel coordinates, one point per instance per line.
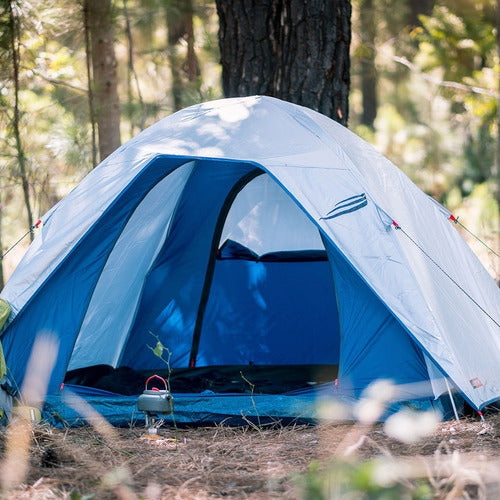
(410, 426)
(332, 410)
(368, 411)
(374, 401)
(381, 390)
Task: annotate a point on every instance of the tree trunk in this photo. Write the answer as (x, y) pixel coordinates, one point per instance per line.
(180, 26)
(368, 70)
(192, 66)
(296, 50)
(14, 34)
(132, 73)
(248, 39)
(107, 105)
(175, 31)
(90, 92)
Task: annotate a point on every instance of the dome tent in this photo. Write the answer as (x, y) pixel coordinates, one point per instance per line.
(139, 246)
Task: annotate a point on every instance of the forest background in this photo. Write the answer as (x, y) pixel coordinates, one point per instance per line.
(424, 78)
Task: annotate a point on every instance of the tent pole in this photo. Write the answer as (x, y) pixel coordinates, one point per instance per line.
(451, 399)
(224, 211)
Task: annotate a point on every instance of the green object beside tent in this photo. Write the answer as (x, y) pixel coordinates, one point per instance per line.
(4, 312)
(4, 316)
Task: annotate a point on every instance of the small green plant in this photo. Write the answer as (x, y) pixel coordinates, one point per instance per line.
(252, 389)
(158, 350)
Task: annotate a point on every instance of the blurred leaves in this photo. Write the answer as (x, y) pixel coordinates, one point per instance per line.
(438, 94)
(369, 479)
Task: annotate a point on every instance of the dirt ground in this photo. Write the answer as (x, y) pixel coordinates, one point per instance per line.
(459, 460)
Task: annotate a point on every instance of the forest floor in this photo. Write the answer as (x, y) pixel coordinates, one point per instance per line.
(459, 460)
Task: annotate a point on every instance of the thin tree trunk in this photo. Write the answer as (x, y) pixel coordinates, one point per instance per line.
(193, 68)
(185, 71)
(14, 44)
(296, 50)
(174, 63)
(130, 102)
(368, 70)
(175, 31)
(131, 68)
(107, 105)
(89, 83)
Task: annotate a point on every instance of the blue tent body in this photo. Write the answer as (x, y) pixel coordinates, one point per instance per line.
(248, 233)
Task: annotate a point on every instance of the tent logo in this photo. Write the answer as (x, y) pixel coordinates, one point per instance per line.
(476, 383)
(346, 206)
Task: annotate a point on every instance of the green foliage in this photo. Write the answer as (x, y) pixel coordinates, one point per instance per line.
(158, 350)
(464, 40)
(437, 93)
(370, 480)
(78, 496)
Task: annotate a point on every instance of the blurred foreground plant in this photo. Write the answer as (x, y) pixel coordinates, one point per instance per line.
(372, 479)
(14, 466)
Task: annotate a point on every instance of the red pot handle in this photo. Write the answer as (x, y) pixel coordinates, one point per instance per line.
(159, 378)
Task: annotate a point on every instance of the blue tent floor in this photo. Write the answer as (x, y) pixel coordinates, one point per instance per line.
(70, 408)
(206, 408)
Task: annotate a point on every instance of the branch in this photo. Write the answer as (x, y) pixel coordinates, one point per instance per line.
(443, 83)
(55, 81)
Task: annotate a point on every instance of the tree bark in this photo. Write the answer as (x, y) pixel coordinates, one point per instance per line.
(248, 41)
(296, 50)
(368, 70)
(107, 105)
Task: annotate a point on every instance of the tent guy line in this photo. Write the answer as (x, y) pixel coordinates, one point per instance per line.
(398, 227)
(456, 221)
(31, 229)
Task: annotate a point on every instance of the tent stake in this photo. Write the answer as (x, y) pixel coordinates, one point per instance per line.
(451, 399)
